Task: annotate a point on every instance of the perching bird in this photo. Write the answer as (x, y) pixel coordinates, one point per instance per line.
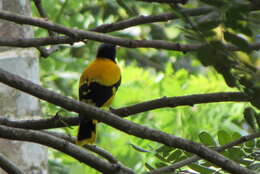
(98, 85)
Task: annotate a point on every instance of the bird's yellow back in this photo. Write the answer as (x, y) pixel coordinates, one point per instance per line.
(103, 71)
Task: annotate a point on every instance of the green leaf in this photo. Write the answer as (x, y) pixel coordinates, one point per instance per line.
(216, 3)
(246, 162)
(160, 157)
(139, 149)
(208, 25)
(236, 136)
(126, 7)
(258, 143)
(165, 150)
(223, 137)
(174, 155)
(201, 169)
(255, 166)
(160, 164)
(236, 153)
(249, 115)
(148, 166)
(237, 41)
(257, 118)
(251, 144)
(207, 139)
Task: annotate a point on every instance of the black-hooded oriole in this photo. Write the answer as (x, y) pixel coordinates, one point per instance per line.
(98, 85)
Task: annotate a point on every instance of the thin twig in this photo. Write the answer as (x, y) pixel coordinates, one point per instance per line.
(195, 158)
(9, 166)
(43, 14)
(119, 123)
(45, 52)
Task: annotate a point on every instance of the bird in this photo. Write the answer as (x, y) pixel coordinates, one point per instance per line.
(98, 85)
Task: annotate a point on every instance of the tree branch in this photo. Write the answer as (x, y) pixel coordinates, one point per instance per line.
(9, 166)
(121, 124)
(43, 14)
(164, 17)
(45, 52)
(130, 43)
(81, 35)
(63, 146)
(101, 152)
(195, 158)
(39, 124)
(190, 100)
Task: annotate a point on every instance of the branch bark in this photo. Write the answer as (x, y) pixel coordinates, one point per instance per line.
(101, 152)
(121, 124)
(63, 146)
(9, 166)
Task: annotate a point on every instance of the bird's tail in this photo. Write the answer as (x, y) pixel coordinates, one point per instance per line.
(86, 132)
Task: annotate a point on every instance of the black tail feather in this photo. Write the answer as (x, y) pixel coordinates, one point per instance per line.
(86, 132)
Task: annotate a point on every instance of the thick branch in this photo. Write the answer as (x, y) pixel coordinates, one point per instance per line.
(9, 166)
(121, 124)
(195, 158)
(63, 146)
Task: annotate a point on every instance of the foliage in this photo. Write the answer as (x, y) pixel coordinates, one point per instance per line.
(149, 74)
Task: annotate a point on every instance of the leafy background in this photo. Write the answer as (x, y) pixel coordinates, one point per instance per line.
(146, 74)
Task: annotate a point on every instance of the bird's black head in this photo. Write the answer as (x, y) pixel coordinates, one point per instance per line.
(107, 51)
